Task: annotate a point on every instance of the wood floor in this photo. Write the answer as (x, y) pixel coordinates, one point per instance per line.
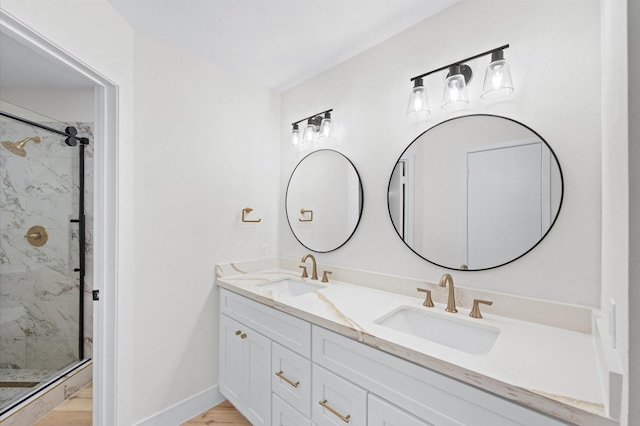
(78, 411)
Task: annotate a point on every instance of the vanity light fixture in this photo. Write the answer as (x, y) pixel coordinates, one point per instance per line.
(318, 126)
(497, 81)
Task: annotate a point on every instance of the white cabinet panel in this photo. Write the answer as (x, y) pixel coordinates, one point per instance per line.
(289, 331)
(245, 364)
(291, 378)
(429, 395)
(335, 401)
(285, 415)
(382, 413)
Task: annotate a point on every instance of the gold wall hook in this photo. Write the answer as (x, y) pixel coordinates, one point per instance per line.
(303, 212)
(248, 210)
(37, 236)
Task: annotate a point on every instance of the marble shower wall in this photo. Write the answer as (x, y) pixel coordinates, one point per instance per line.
(39, 314)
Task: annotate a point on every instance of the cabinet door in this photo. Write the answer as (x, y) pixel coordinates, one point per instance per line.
(231, 360)
(257, 385)
(245, 367)
(382, 413)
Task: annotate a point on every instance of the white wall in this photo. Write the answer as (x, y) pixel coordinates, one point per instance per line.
(554, 59)
(65, 105)
(615, 178)
(633, 49)
(201, 155)
(191, 156)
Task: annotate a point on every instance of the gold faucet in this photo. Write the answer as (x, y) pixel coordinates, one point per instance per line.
(314, 270)
(451, 302)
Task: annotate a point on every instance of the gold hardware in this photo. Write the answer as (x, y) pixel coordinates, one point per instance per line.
(243, 336)
(325, 279)
(238, 332)
(427, 301)
(248, 210)
(464, 267)
(475, 312)
(303, 212)
(304, 271)
(37, 236)
(279, 374)
(18, 147)
(314, 269)
(451, 302)
(343, 418)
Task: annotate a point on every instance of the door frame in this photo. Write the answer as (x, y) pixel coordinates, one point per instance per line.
(105, 197)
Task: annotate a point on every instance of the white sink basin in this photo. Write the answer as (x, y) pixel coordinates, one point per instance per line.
(453, 332)
(290, 287)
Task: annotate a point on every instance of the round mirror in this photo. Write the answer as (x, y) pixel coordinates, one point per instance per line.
(324, 200)
(475, 192)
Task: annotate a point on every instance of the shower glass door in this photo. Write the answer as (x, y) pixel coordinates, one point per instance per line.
(40, 306)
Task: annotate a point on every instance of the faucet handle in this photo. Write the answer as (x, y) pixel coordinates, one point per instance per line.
(427, 301)
(304, 271)
(325, 279)
(475, 311)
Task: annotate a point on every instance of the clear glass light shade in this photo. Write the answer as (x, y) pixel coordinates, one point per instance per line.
(325, 128)
(497, 80)
(418, 100)
(455, 92)
(295, 136)
(310, 133)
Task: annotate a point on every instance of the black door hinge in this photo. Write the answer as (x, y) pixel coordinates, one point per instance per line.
(96, 294)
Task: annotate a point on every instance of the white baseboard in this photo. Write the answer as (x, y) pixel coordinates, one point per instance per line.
(185, 410)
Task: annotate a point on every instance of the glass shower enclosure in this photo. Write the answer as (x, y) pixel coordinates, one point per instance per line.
(42, 254)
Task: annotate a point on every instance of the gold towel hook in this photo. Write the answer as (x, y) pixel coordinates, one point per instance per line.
(303, 212)
(248, 210)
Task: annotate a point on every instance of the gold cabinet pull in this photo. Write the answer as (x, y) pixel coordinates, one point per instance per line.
(238, 332)
(334, 412)
(281, 375)
(243, 336)
(303, 212)
(248, 210)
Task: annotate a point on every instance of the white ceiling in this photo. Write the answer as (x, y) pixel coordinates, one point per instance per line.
(274, 43)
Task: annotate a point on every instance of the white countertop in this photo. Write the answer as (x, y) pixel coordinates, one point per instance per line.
(550, 369)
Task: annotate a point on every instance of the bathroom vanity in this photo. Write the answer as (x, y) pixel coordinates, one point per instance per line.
(296, 351)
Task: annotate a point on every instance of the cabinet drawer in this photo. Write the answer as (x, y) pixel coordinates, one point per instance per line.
(291, 378)
(383, 413)
(285, 415)
(289, 331)
(335, 401)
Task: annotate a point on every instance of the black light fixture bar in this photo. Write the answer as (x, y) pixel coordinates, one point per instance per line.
(506, 46)
(311, 116)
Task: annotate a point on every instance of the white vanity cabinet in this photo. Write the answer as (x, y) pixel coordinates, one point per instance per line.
(326, 379)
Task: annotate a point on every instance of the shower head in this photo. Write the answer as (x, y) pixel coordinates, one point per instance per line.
(18, 147)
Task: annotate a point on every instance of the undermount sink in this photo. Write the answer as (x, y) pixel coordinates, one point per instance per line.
(290, 287)
(452, 332)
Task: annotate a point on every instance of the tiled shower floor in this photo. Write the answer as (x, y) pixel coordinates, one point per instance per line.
(15, 383)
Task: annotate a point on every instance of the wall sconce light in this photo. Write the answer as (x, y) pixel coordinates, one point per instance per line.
(497, 81)
(317, 126)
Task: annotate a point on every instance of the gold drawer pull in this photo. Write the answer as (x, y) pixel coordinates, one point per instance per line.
(343, 418)
(279, 374)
